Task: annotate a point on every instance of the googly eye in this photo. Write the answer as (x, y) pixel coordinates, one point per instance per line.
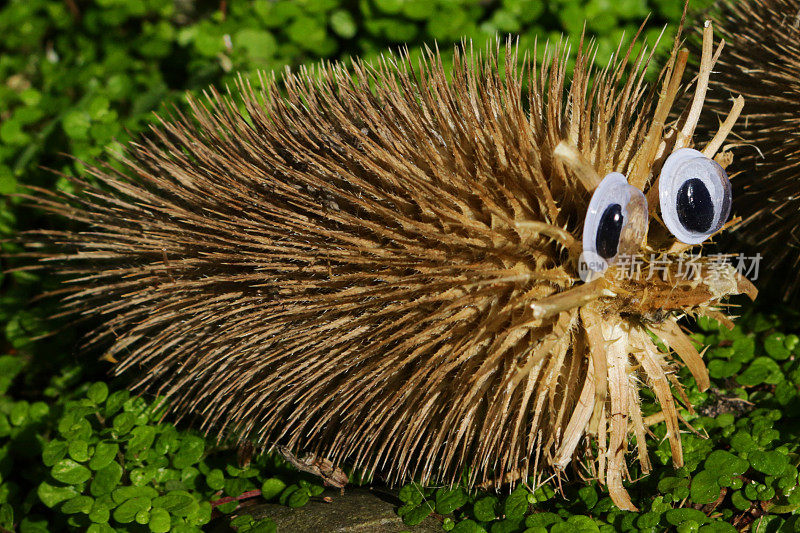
(616, 222)
(695, 195)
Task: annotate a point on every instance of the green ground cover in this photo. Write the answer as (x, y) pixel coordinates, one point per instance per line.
(78, 451)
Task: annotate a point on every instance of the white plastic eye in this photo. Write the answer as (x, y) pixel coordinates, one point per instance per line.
(695, 195)
(616, 222)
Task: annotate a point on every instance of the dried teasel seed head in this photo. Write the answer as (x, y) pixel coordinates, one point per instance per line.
(381, 266)
(761, 61)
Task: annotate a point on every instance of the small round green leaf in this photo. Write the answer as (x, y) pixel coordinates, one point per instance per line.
(215, 479)
(142, 439)
(485, 509)
(411, 493)
(415, 515)
(123, 423)
(450, 499)
(677, 517)
(724, 463)
(52, 495)
(98, 392)
(177, 502)
(159, 520)
(770, 463)
(127, 510)
(343, 24)
(106, 479)
(69, 472)
(705, 488)
(189, 453)
(298, 499)
(271, 488)
(53, 452)
(78, 504)
(78, 450)
(517, 503)
(104, 454)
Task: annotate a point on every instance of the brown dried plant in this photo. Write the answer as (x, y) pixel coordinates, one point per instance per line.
(381, 267)
(762, 63)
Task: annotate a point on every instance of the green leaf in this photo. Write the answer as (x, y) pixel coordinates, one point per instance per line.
(722, 369)
(52, 495)
(142, 517)
(177, 502)
(467, 526)
(122, 494)
(33, 524)
(678, 516)
(127, 510)
(104, 453)
(123, 423)
(242, 520)
(724, 463)
(581, 524)
(775, 346)
(201, 515)
(19, 413)
(101, 510)
(343, 24)
(761, 370)
(5, 426)
(485, 509)
(739, 501)
(450, 499)
(159, 520)
(74, 426)
(167, 441)
(705, 488)
(390, 7)
(189, 453)
(258, 44)
(743, 442)
(6, 516)
(69, 472)
(106, 479)
(78, 450)
(411, 493)
(98, 392)
(588, 496)
(78, 504)
(298, 498)
(516, 504)
(142, 439)
(100, 528)
(272, 488)
(416, 514)
(770, 463)
(53, 452)
(115, 401)
(76, 124)
(8, 183)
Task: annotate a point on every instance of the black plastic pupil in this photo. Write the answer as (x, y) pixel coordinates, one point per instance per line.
(695, 208)
(608, 231)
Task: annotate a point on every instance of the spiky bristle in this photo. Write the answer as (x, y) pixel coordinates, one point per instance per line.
(761, 61)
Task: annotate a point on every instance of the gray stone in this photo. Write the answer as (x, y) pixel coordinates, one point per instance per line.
(355, 511)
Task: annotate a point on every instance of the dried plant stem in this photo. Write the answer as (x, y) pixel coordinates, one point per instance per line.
(725, 128)
(570, 156)
(707, 60)
(577, 296)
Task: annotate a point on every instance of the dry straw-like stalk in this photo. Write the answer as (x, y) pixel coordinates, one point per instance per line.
(762, 63)
(381, 266)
